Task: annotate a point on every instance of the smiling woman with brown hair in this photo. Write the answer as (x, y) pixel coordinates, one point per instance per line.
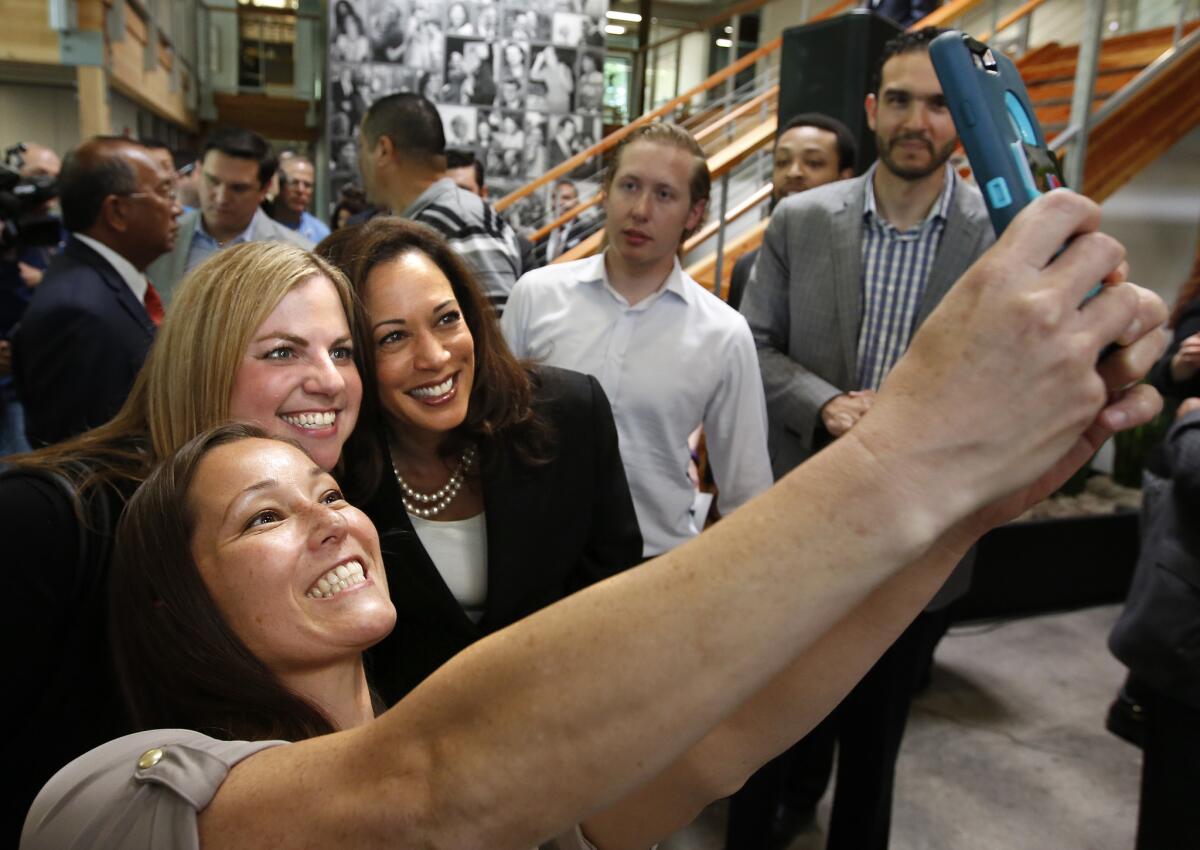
(465, 456)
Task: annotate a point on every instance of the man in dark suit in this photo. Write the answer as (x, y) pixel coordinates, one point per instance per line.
(811, 150)
(846, 274)
(92, 319)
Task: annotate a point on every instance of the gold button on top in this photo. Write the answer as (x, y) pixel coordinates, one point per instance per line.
(150, 758)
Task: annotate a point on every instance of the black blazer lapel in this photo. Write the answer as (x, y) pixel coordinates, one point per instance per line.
(510, 494)
(414, 583)
(116, 284)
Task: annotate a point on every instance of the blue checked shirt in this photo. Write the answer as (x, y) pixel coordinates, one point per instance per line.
(896, 265)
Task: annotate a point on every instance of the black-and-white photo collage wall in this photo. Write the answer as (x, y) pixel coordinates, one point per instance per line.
(518, 83)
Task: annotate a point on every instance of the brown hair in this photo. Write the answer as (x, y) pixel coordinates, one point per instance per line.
(180, 663)
(671, 135)
(500, 414)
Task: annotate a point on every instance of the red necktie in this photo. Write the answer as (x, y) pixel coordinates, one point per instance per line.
(154, 306)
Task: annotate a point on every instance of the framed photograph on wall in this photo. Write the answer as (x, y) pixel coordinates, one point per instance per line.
(458, 122)
(521, 84)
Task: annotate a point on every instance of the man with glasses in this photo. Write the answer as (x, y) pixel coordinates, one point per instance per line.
(296, 181)
(236, 167)
(92, 319)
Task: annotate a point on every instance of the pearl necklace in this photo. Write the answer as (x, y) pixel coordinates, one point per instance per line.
(426, 505)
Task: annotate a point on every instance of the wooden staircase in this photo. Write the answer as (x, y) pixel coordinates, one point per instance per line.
(1139, 131)
(1049, 71)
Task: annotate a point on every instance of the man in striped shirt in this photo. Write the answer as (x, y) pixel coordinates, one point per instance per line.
(402, 155)
(846, 274)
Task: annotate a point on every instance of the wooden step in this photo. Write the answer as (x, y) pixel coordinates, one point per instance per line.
(1106, 84)
(1142, 129)
(1051, 61)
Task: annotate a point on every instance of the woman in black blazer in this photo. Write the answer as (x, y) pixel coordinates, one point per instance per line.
(497, 489)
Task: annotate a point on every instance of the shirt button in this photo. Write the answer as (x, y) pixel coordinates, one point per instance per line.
(150, 758)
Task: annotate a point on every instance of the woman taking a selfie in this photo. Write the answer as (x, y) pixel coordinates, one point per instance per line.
(629, 704)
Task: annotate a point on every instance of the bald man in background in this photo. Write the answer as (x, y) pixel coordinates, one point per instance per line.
(21, 269)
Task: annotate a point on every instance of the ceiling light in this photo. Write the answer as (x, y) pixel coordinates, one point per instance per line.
(724, 42)
(729, 30)
(613, 29)
(633, 17)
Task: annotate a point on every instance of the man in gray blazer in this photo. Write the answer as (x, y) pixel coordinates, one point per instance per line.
(236, 167)
(846, 273)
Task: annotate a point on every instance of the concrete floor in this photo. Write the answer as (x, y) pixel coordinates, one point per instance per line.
(1007, 749)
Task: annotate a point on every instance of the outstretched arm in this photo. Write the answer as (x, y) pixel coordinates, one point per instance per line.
(574, 708)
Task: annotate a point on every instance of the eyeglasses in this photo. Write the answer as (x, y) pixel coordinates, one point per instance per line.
(163, 193)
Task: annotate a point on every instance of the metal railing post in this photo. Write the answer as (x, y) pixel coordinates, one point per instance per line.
(678, 68)
(653, 79)
(1085, 84)
(1183, 4)
(995, 16)
(734, 40)
(721, 235)
(637, 91)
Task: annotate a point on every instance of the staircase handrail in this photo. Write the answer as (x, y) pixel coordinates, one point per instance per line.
(701, 135)
(719, 164)
(709, 230)
(570, 215)
(1167, 59)
(1011, 18)
(613, 139)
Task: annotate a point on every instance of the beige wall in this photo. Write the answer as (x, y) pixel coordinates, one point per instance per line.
(38, 113)
(1157, 217)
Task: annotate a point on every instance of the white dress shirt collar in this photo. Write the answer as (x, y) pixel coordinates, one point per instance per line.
(134, 279)
(597, 270)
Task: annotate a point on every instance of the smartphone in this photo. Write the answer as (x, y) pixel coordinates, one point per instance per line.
(997, 125)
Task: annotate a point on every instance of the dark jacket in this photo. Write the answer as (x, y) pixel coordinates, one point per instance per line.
(551, 530)
(79, 346)
(62, 697)
(1158, 633)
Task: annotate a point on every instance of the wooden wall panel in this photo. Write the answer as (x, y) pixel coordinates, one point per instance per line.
(148, 89)
(26, 36)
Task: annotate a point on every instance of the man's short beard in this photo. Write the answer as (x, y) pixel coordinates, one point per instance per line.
(913, 174)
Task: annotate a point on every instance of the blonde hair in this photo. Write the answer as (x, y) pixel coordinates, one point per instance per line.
(185, 384)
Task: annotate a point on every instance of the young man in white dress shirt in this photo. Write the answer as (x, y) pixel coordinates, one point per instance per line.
(669, 354)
